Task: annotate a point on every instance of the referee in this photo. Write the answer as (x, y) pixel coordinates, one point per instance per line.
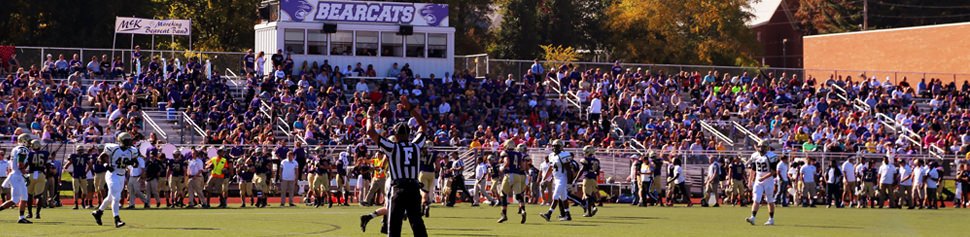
(404, 196)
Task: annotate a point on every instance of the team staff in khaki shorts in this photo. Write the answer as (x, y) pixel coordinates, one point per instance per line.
(195, 181)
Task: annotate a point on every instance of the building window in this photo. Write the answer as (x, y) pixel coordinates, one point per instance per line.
(366, 43)
(293, 39)
(437, 45)
(415, 45)
(342, 43)
(392, 44)
(316, 43)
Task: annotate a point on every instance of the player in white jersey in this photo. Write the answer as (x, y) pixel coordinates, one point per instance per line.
(15, 179)
(558, 166)
(765, 164)
(117, 158)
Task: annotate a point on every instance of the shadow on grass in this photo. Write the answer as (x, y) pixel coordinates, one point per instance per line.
(827, 226)
(634, 217)
(179, 228)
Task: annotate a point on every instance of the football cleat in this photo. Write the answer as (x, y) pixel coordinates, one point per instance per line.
(24, 221)
(363, 222)
(750, 220)
(544, 216)
(770, 222)
(503, 219)
(118, 223)
(97, 216)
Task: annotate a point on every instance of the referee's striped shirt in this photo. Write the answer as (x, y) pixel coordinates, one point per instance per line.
(403, 162)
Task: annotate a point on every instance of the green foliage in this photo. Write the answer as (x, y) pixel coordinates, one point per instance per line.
(517, 35)
(217, 25)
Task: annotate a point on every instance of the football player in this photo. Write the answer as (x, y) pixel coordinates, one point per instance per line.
(590, 170)
(15, 180)
(514, 181)
(37, 168)
(77, 163)
(320, 168)
(559, 162)
(176, 179)
(764, 163)
(117, 157)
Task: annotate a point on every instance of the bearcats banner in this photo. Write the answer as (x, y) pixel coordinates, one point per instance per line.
(131, 25)
(419, 14)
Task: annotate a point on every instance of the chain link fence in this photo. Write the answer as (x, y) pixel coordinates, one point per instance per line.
(35, 56)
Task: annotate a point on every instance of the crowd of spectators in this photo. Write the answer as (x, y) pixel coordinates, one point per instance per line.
(325, 104)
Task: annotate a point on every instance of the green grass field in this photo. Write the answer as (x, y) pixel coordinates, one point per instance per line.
(612, 220)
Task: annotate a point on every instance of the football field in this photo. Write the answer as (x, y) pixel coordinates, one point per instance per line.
(612, 220)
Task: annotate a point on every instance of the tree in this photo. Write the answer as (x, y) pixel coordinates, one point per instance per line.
(683, 32)
(517, 36)
(65, 23)
(834, 16)
(217, 25)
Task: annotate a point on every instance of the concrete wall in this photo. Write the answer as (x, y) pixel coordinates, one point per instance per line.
(943, 49)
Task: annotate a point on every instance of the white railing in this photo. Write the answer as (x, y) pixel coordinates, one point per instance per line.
(193, 126)
(747, 132)
(716, 133)
(151, 122)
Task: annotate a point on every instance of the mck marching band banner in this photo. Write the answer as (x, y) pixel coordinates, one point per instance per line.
(131, 25)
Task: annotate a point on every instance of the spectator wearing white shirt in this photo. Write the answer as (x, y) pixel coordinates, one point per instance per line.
(905, 183)
(680, 183)
(887, 181)
(362, 86)
(481, 180)
(807, 177)
(849, 181)
(595, 109)
(932, 180)
(135, 180)
(783, 182)
(288, 170)
(711, 183)
(195, 179)
(444, 108)
(919, 184)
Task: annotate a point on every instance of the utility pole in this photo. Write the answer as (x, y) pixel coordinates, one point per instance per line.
(865, 15)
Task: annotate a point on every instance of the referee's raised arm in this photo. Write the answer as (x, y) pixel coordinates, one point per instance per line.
(422, 124)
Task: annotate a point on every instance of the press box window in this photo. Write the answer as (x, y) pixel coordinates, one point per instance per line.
(317, 43)
(415, 45)
(437, 45)
(366, 43)
(294, 39)
(392, 44)
(342, 43)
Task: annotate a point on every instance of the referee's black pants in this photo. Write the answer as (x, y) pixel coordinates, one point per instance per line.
(457, 184)
(405, 199)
